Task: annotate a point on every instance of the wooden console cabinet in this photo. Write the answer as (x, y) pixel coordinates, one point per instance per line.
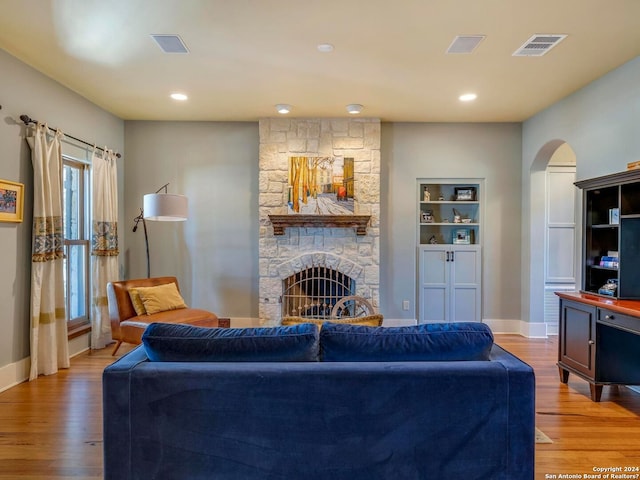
(599, 340)
(599, 336)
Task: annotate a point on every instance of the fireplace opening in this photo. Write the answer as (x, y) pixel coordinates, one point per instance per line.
(313, 292)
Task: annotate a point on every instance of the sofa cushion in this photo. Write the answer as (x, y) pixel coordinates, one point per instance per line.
(425, 342)
(186, 343)
(160, 298)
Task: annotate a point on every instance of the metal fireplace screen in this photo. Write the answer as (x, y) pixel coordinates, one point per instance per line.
(313, 292)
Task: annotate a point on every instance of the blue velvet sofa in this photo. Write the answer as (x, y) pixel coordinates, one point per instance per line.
(439, 401)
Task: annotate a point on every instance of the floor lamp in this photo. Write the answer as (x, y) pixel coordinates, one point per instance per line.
(160, 207)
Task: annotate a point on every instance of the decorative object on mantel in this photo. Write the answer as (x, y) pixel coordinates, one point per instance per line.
(633, 165)
(160, 207)
(359, 222)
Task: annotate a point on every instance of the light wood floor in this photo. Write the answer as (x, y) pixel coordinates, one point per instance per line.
(52, 428)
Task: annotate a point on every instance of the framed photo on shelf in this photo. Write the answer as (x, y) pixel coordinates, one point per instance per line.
(462, 236)
(11, 201)
(426, 216)
(614, 216)
(465, 194)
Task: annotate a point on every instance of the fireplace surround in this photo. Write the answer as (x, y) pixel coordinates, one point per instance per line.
(351, 249)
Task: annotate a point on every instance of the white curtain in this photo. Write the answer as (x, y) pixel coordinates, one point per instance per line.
(104, 243)
(49, 344)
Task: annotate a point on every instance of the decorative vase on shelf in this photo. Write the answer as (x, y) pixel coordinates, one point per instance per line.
(426, 195)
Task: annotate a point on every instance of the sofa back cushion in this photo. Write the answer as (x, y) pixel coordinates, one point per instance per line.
(425, 342)
(165, 342)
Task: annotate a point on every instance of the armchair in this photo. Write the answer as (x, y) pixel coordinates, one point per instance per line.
(127, 326)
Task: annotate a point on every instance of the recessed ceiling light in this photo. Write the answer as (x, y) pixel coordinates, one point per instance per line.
(179, 96)
(354, 108)
(325, 47)
(467, 97)
(283, 108)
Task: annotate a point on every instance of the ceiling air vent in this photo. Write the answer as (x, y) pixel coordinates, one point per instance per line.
(538, 45)
(170, 43)
(465, 43)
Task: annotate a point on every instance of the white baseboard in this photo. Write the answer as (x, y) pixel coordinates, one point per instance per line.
(244, 322)
(518, 327)
(14, 373)
(399, 322)
(18, 372)
(78, 345)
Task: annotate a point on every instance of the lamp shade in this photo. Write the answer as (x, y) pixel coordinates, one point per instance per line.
(165, 207)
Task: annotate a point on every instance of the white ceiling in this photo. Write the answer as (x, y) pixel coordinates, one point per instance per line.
(248, 55)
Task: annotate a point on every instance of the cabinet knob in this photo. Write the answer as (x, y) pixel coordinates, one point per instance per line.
(591, 342)
(609, 317)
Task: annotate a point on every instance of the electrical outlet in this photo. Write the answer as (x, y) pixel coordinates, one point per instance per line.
(405, 305)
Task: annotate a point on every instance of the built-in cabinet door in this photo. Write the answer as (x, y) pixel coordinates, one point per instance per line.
(465, 282)
(449, 283)
(434, 284)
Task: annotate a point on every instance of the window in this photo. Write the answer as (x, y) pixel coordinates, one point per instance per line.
(76, 244)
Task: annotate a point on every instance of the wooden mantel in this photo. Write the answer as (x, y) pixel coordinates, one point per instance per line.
(280, 222)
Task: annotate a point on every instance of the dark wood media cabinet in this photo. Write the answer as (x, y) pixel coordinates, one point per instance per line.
(599, 340)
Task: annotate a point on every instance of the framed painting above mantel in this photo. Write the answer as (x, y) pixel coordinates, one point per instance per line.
(320, 186)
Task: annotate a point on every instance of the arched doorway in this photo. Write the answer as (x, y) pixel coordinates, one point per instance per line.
(554, 215)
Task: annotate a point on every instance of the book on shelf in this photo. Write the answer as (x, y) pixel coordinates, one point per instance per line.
(609, 262)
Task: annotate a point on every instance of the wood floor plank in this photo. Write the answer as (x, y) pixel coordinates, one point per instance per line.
(52, 428)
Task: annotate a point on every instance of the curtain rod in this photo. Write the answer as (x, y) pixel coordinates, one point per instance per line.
(27, 120)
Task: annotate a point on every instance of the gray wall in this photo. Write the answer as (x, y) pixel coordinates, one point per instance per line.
(25, 91)
(418, 150)
(214, 253)
(601, 123)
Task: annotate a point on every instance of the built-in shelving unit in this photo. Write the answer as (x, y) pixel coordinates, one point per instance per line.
(449, 250)
(611, 243)
(448, 207)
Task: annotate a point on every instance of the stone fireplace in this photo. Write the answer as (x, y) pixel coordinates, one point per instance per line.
(314, 292)
(350, 251)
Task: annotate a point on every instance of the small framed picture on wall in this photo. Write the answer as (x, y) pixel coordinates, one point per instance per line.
(11, 201)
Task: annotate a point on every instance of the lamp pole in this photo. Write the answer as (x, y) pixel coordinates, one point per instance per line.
(140, 218)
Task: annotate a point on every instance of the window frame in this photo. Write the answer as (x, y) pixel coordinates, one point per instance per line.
(79, 325)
